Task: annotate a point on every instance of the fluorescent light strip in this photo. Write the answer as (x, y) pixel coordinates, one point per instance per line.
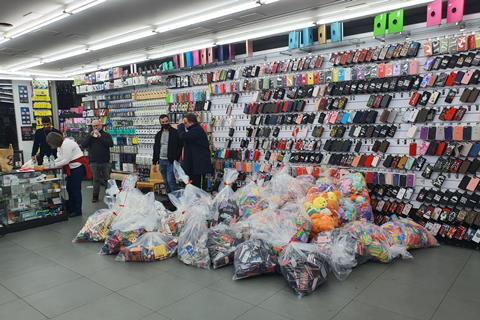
(24, 65)
(255, 34)
(213, 13)
(76, 8)
(121, 38)
(37, 26)
(66, 54)
(372, 9)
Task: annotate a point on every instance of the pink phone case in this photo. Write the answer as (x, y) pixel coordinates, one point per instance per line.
(455, 11)
(203, 56)
(196, 57)
(434, 13)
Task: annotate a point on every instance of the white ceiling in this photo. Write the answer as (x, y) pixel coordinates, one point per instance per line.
(118, 16)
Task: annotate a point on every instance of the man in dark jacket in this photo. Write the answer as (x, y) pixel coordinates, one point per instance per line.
(40, 142)
(166, 150)
(98, 144)
(197, 160)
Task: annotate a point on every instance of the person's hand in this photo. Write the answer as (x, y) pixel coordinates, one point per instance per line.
(34, 158)
(95, 133)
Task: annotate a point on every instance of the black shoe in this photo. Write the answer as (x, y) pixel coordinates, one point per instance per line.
(94, 200)
(73, 215)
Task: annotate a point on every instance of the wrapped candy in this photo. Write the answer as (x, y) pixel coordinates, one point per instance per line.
(252, 258)
(118, 239)
(192, 242)
(340, 248)
(222, 242)
(354, 200)
(304, 267)
(408, 233)
(250, 199)
(374, 242)
(96, 227)
(150, 247)
(224, 207)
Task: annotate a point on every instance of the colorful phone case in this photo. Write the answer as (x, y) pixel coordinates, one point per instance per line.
(434, 13)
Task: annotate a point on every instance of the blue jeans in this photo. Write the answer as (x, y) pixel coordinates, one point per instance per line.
(166, 169)
(74, 189)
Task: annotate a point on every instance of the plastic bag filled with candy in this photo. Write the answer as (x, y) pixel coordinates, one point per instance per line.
(192, 242)
(408, 233)
(149, 247)
(251, 199)
(224, 207)
(304, 267)
(131, 223)
(375, 243)
(222, 242)
(96, 227)
(252, 258)
(283, 188)
(354, 200)
(340, 248)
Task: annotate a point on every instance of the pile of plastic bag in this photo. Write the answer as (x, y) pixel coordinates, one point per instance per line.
(224, 207)
(222, 243)
(150, 247)
(253, 258)
(96, 227)
(355, 200)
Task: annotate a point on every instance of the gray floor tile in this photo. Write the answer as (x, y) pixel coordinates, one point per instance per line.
(66, 297)
(206, 304)
(254, 290)
(260, 314)
(11, 250)
(408, 299)
(63, 252)
(356, 310)
(88, 264)
(35, 238)
(155, 316)
(454, 307)
(160, 291)
(112, 307)
(19, 310)
(201, 276)
(36, 281)
(6, 295)
(322, 304)
(22, 264)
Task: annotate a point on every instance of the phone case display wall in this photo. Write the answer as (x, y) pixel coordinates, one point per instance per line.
(29, 199)
(42, 105)
(403, 112)
(73, 123)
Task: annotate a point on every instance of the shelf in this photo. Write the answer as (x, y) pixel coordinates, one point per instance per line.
(15, 227)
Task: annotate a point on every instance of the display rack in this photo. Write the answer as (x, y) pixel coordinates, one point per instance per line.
(31, 199)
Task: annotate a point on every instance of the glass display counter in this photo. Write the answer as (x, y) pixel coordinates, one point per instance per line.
(30, 199)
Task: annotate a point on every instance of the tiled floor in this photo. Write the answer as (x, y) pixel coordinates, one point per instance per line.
(43, 275)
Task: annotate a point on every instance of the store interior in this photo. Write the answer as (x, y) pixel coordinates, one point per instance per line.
(327, 164)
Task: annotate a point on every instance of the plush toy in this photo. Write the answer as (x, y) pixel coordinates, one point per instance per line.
(322, 222)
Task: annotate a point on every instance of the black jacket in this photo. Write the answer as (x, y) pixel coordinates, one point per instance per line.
(98, 148)
(174, 146)
(40, 142)
(196, 150)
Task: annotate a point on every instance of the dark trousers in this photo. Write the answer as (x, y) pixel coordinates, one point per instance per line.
(198, 180)
(166, 169)
(101, 173)
(74, 189)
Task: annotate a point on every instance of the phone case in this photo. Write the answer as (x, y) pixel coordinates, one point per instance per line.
(455, 11)
(434, 13)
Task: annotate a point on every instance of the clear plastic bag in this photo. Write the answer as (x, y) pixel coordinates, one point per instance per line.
(96, 227)
(375, 243)
(355, 200)
(304, 267)
(251, 199)
(111, 193)
(253, 258)
(283, 188)
(340, 248)
(192, 242)
(150, 247)
(408, 233)
(224, 207)
(222, 242)
(322, 207)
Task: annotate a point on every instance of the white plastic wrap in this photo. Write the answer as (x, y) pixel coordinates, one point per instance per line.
(111, 193)
(96, 227)
(224, 207)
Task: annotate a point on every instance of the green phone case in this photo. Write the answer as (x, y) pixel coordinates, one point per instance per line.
(380, 25)
(395, 21)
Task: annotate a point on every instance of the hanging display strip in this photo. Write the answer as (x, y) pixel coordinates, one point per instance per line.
(405, 112)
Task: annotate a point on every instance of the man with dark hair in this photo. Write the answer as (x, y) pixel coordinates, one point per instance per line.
(166, 150)
(40, 145)
(197, 160)
(98, 144)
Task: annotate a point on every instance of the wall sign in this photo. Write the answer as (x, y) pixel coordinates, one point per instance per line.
(25, 114)
(27, 133)
(23, 94)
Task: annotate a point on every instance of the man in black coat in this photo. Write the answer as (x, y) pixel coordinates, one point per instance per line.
(166, 150)
(40, 145)
(197, 160)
